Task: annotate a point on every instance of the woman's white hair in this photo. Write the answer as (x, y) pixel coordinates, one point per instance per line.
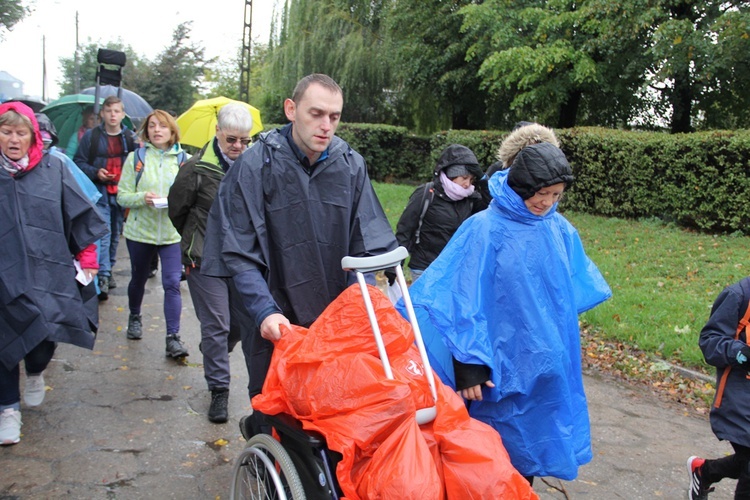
(235, 116)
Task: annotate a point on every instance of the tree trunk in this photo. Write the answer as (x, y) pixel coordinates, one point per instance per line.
(569, 110)
(682, 102)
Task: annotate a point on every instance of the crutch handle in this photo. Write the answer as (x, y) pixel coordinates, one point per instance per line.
(376, 262)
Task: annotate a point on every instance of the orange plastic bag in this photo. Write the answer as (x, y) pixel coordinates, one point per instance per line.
(331, 379)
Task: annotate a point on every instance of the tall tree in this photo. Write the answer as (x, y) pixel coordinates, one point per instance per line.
(702, 68)
(177, 74)
(11, 13)
(341, 38)
(563, 62)
(428, 50)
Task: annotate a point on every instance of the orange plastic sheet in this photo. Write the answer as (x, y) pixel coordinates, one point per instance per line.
(330, 377)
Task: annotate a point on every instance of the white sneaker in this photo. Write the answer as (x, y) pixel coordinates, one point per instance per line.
(33, 393)
(10, 426)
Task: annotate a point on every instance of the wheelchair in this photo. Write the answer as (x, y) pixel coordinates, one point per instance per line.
(292, 463)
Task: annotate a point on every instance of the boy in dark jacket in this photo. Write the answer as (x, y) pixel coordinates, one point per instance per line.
(723, 341)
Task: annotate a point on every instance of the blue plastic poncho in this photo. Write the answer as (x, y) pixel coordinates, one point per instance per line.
(506, 293)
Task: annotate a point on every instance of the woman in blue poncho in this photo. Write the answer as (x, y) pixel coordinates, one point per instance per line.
(499, 313)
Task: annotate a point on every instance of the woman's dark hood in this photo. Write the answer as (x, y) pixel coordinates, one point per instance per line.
(538, 166)
(457, 155)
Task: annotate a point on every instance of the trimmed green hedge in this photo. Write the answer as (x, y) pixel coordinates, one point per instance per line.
(699, 180)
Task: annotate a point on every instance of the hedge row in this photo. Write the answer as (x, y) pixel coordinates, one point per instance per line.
(699, 180)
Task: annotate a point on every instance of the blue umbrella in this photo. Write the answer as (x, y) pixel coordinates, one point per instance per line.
(136, 106)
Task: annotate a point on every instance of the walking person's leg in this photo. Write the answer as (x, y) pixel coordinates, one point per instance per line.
(742, 491)
(105, 268)
(117, 220)
(171, 271)
(210, 297)
(140, 257)
(36, 362)
(10, 405)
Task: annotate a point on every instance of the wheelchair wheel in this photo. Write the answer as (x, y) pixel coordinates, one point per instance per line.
(264, 470)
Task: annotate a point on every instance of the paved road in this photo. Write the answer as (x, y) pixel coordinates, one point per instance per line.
(125, 422)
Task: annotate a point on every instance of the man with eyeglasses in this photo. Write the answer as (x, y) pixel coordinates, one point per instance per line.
(297, 202)
(217, 304)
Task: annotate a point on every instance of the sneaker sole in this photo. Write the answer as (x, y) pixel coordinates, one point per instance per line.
(9, 442)
(134, 337)
(177, 356)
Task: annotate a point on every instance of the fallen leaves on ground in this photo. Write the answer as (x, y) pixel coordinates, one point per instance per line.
(635, 367)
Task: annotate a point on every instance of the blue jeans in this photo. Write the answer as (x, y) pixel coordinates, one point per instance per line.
(36, 362)
(171, 272)
(113, 214)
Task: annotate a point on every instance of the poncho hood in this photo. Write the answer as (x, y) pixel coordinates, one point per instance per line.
(35, 150)
(538, 166)
(455, 154)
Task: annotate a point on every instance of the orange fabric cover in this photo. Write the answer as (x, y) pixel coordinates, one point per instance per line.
(331, 379)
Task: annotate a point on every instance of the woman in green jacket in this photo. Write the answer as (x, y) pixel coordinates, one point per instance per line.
(147, 175)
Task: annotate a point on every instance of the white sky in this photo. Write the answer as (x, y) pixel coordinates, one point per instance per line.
(145, 25)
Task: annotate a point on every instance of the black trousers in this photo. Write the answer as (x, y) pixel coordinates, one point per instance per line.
(735, 466)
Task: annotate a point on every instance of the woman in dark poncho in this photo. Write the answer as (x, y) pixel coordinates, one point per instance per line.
(45, 222)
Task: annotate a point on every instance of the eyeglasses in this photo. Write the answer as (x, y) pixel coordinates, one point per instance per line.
(231, 139)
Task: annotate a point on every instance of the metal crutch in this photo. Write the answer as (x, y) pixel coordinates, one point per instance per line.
(361, 265)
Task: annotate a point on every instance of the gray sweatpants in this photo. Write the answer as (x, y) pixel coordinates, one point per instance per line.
(222, 316)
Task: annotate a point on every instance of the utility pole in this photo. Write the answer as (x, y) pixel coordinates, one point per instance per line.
(44, 68)
(77, 78)
(245, 56)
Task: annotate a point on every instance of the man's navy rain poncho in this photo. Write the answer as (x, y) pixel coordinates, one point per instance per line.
(506, 293)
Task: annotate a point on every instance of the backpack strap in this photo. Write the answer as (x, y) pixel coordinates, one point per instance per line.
(139, 160)
(96, 133)
(428, 188)
(744, 325)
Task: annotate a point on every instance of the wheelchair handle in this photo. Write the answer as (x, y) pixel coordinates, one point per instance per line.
(376, 262)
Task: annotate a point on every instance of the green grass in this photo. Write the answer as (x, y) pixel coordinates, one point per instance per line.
(664, 279)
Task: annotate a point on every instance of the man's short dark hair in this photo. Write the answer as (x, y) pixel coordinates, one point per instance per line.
(319, 78)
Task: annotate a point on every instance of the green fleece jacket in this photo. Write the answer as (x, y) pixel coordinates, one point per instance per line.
(147, 224)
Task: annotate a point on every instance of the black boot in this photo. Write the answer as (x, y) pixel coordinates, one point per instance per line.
(219, 410)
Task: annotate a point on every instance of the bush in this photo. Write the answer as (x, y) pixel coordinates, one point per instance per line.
(698, 180)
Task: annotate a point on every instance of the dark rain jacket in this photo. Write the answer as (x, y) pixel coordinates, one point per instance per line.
(731, 419)
(443, 216)
(46, 220)
(91, 166)
(275, 220)
(190, 199)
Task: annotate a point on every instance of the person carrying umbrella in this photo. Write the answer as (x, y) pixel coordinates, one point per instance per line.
(217, 302)
(101, 155)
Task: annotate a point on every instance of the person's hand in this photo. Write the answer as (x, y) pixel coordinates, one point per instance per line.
(104, 176)
(743, 356)
(270, 327)
(90, 273)
(149, 198)
(475, 393)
